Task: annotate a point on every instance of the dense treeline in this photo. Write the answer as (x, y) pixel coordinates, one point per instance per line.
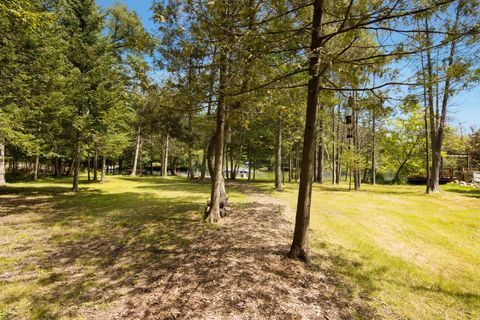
(77, 92)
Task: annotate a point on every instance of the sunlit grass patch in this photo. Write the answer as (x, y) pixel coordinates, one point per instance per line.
(407, 254)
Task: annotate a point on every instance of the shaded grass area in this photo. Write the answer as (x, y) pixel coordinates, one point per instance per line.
(407, 254)
(63, 254)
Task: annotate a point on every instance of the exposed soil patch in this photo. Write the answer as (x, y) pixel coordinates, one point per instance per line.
(239, 271)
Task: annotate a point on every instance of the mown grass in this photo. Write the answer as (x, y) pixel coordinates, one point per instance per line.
(63, 254)
(406, 254)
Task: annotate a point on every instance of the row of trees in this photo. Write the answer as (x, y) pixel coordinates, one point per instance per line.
(266, 58)
(72, 81)
(377, 78)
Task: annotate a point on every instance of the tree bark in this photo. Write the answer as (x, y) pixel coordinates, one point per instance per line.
(278, 157)
(357, 152)
(35, 171)
(137, 151)
(165, 155)
(2, 164)
(213, 214)
(56, 168)
(339, 149)
(300, 248)
(88, 168)
(173, 169)
(104, 169)
(211, 166)
(95, 163)
(290, 165)
(438, 123)
(427, 156)
(321, 148)
(354, 165)
(233, 175)
(76, 169)
(204, 164)
(374, 147)
(191, 171)
(249, 162)
(396, 178)
(334, 149)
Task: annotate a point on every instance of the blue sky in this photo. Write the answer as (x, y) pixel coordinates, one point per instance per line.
(142, 7)
(464, 108)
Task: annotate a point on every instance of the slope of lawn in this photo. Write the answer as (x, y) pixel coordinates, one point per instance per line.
(407, 254)
(64, 254)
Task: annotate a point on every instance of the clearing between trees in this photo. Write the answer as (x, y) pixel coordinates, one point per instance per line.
(136, 248)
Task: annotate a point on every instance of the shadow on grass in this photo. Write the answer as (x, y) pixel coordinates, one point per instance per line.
(378, 189)
(364, 280)
(350, 276)
(96, 246)
(467, 191)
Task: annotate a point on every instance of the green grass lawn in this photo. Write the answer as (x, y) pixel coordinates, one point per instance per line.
(63, 254)
(406, 254)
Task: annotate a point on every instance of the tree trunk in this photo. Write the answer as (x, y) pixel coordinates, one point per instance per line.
(300, 248)
(278, 157)
(104, 169)
(438, 124)
(434, 176)
(165, 155)
(297, 163)
(211, 166)
(137, 151)
(354, 164)
(357, 152)
(427, 157)
(76, 169)
(334, 149)
(35, 171)
(396, 178)
(339, 149)
(56, 168)
(70, 168)
(320, 156)
(374, 146)
(2, 164)
(213, 214)
(249, 162)
(88, 167)
(95, 164)
(191, 170)
(204, 164)
(233, 175)
(290, 165)
(173, 169)
(225, 162)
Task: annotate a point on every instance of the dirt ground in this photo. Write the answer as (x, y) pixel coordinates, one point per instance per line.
(239, 271)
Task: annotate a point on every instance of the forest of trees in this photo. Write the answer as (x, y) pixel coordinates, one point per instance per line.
(315, 91)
